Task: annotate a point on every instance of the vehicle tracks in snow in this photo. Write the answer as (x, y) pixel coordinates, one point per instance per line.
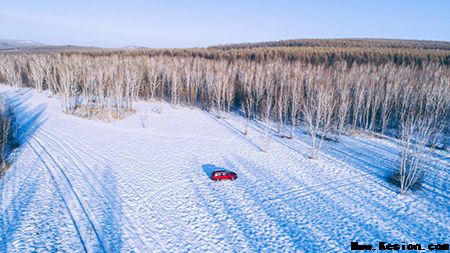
(104, 196)
(101, 158)
(307, 190)
(145, 207)
(149, 200)
(82, 222)
(89, 151)
(104, 162)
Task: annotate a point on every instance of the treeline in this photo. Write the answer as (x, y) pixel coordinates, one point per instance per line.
(314, 56)
(322, 54)
(329, 51)
(346, 43)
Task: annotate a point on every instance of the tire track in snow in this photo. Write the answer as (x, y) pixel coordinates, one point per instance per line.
(130, 173)
(79, 217)
(13, 202)
(155, 198)
(89, 225)
(104, 194)
(327, 186)
(57, 140)
(143, 200)
(152, 199)
(18, 192)
(158, 194)
(84, 149)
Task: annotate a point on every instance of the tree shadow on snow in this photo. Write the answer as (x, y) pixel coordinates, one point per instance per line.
(380, 161)
(111, 215)
(303, 213)
(13, 215)
(26, 120)
(236, 131)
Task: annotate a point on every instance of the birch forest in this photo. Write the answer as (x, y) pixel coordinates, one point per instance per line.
(330, 90)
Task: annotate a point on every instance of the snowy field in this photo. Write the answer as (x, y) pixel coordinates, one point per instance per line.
(82, 185)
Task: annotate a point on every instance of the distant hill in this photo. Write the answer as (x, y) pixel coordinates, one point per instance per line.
(7, 45)
(345, 43)
(15, 44)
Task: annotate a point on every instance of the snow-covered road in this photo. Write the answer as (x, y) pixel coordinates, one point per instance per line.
(84, 185)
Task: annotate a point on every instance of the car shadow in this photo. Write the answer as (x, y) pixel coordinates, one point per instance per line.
(209, 168)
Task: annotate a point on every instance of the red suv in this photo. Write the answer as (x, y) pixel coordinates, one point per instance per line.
(223, 175)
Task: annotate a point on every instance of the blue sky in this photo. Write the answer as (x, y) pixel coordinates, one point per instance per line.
(200, 23)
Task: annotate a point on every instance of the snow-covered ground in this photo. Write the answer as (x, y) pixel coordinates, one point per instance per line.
(84, 185)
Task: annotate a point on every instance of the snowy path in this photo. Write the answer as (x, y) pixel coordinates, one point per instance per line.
(81, 185)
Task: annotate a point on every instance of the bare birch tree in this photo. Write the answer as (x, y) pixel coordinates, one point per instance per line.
(317, 110)
(344, 92)
(424, 114)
